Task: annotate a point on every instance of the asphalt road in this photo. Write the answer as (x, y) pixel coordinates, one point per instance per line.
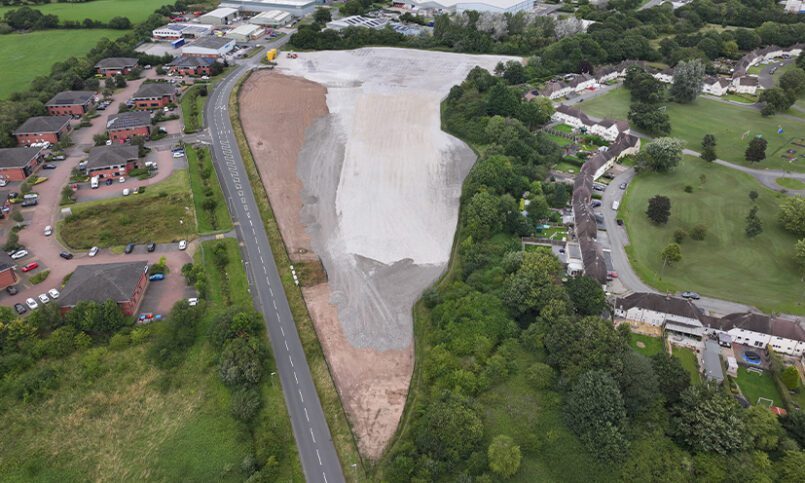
(313, 440)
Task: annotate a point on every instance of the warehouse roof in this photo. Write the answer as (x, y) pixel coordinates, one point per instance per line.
(69, 98)
(114, 155)
(17, 157)
(41, 124)
(154, 89)
(214, 43)
(116, 62)
(102, 282)
(221, 12)
(191, 61)
(127, 120)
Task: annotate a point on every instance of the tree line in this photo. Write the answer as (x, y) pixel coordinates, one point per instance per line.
(26, 19)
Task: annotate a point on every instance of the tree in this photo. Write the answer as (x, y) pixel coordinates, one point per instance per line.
(586, 295)
(680, 235)
(675, 379)
(532, 286)
(579, 346)
(709, 148)
(242, 362)
(638, 383)
(708, 420)
(482, 216)
(657, 459)
(246, 402)
(793, 82)
(671, 254)
(120, 81)
(688, 78)
(790, 377)
(756, 151)
(661, 155)
(119, 23)
(792, 215)
(449, 431)
(799, 254)
(775, 100)
(540, 375)
(794, 424)
(514, 73)
(754, 226)
(644, 87)
(501, 101)
(650, 118)
(753, 195)
(322, 15)
(504, 456)
(698, 232)
(763, 428)
(594, 410)
(791, 467)
(659, 209)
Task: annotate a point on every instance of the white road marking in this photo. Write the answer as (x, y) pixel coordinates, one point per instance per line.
(286, 346)
(324, 476)
(302, 398)
(282, 330)
(313, 436)
(289, 358)
(294, 376)
(318, 456)
(306, 416)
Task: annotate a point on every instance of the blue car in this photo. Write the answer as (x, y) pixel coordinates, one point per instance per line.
(156, 277)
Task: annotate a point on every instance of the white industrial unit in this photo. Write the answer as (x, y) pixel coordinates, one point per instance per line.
(298, 8)
(219, 16)
(272, 18)
(209, 47)
(459, 6)
(245, 32)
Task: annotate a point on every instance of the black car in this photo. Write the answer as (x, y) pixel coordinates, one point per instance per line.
(109, 182)
(48, 166)
(129, 248)
(619, 221)
(21, 309)
(151, 247)
(66, 255)
(13, 195)
(27, 203)
(12, 290)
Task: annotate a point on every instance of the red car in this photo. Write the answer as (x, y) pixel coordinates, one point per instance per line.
(30, 266)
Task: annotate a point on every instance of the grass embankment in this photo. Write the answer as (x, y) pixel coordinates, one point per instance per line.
(688, 360)
(727, 264)
(32, 54)
(650, 345)
(101, 10)
(116, 417)
(211, 212)
(733, 126)
(343, 438)
(164, 213)
(192, 104)
(754, 386)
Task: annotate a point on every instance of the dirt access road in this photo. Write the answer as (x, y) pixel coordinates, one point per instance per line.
(361, 176)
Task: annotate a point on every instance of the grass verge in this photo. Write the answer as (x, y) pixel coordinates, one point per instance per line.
(343, 438)
(211, 212)
(790, 183)
(192, 104)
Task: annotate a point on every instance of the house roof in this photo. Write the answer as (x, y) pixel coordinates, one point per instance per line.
(762, 324)
(577, 113)
(214, 43)
(659, 303)
(154, 89)
(42, 124)
(102, 282)
(191, 61)
(6, 261)
(748, 81)
(17, 157)
(128, 120)
(116, 63)
(69, 98)
(114, 155)
(711, 359)
(594, 264)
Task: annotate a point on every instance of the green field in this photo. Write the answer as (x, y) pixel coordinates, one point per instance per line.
(102, 10)
(164, 213)
(790, 183)
(688, 360)
(733, 127)
(204, 184)
(651, 345)
(726, 264)
(754, 386)
(29, 55)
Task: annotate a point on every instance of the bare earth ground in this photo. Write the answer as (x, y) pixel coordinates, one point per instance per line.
(372, 188)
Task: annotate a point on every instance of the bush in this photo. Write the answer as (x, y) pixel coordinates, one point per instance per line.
(699, 232)
(245, 404)
(34, 384)
(688, 189)
(242, 362)
(119, 342)
(17, 216)
(680, 235)
(539, 375)
(40, 277)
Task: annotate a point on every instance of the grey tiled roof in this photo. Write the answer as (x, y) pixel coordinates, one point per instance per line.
(42, 124)
(69, 98)
(131, 119)
(102, 282)
(17, 157)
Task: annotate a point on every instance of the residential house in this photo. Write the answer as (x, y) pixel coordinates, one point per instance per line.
(187, 65)
(39, 129)
(16, 164)
(122, 127)
(70, 103)
(154, 95)
(716, 86)
(7, 275)
(574, 265)
(745, 85)
(761, 331)
(609, 129)
(666, 76)
(124, 282)
(113, 66)
(571, 83)
(674, 314)
(112, 161)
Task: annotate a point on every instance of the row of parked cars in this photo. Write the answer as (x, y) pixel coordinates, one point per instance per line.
(32, 304)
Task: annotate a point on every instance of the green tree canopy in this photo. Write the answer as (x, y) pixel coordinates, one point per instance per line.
(674, 378)
(688, 79)
(661, 155)
(586, 294)
(594, 410)
(659, 209)
(792, 215)
(706, 419)
(504, 456)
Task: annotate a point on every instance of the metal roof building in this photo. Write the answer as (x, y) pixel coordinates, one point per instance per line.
(219, 16)
(272, 18)
(245, 32)
(299, 8)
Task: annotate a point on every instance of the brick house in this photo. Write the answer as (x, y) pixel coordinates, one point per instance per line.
(154, 95)
(16, 164)
(70, 103)
(7, 275)
(122, 127)
(42, 128)
(112, 66)
(112, 161)
(187, 65)
(125, 283)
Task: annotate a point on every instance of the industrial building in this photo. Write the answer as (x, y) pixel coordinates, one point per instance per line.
(357, 21)
(175, 31)
(298, 8)
(245, 32)
(431, 7)
(272, 18)
(214, 47)
(220, 16)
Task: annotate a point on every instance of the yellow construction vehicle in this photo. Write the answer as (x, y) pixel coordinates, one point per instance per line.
(271, 55)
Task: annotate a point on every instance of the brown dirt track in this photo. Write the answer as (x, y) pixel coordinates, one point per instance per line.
(275, 112)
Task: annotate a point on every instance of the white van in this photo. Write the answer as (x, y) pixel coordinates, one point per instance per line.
(615, 205)
(93, 183)
(31, 196)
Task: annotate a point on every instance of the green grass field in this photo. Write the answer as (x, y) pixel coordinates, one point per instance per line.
(790, 183)
(726, 264)
(754, 386)
(164, 213)
(688, 360)
(102, 10)
(651, 345)
(29, 55)
(200, 164)
(733, 127)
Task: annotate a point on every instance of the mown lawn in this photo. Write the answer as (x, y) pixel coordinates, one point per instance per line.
(164, 213)
(691, 122)
(651, 345)
(205, 186)
(688, 360)
(790, 183)
(726, 264)
(754, 386)
(102, 10)
(26, 56)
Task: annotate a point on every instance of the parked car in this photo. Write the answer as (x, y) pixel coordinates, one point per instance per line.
(192, 301)
(596, 203)
(690, 295)
(30, 266)
(151, 247)
(31, 303)
(29, 202)
(13, 195)
(126, 192)
(619, 221)
(66, 255)
(48, 230)
(43, 298)
(54, 294)
(108, 182)
(12, 290)
(48, 166)
(93, 251)
(21, 309)
(19, 254)
(623, 186)
(121, 180)
(182, 244)
(129, 248)
(156, 277)
(178, 154)
(177, 148)
(612, 274)
(60, 157)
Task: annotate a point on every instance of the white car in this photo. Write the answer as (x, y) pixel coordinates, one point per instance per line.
(121, 180)
(48, 230)
(54, 294)
(126, 192)
(31, 303)
(19, 254)
(205, 77)
(93, 251)
(192, 302)
(43, 298)
(182, 244)
(3, 182)
(178, 154)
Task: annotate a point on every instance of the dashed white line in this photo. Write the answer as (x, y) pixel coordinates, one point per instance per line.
(318, 456)
(274, 301)
(313, 436)
(306, 416)
(283, 331)
(323, 475)
(289, 358)
(286, 346)
(295, 378)
(303, 400)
